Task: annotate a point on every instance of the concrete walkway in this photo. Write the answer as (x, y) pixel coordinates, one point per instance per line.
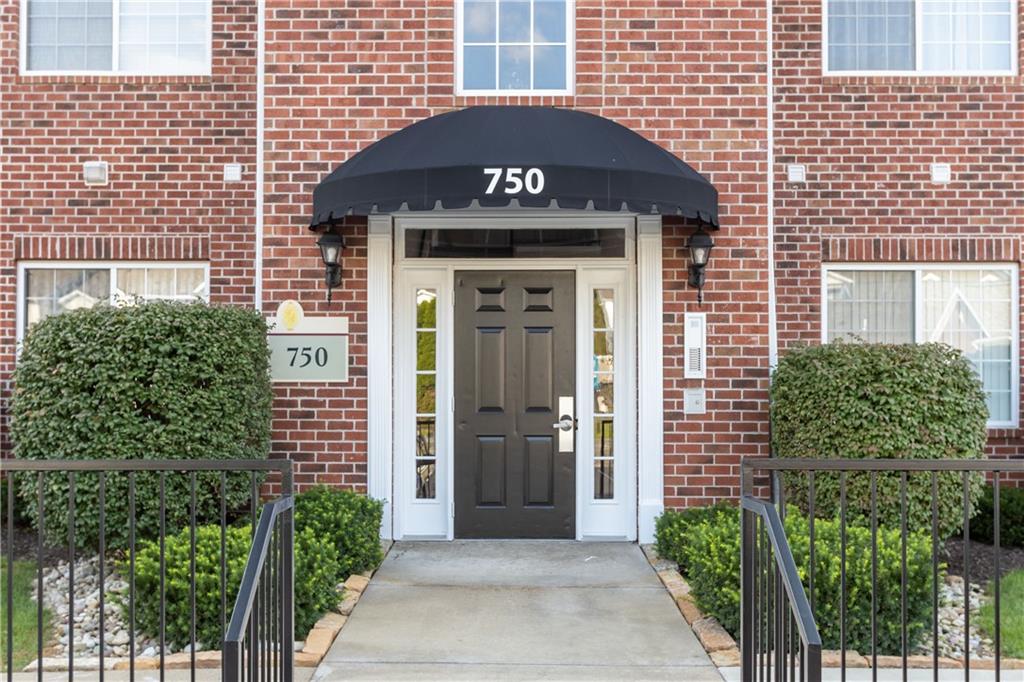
(516, 610)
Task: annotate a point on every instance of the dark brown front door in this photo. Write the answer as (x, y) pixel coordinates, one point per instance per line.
(514, 358)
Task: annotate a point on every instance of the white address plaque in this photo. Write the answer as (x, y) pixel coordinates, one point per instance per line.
(307, 349)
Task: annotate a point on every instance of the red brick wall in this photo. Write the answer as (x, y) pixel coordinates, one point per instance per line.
(868, 143)
(322, 428)
(688, 76)
(166, 140)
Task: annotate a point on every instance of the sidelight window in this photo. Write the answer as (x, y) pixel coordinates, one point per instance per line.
(972, 308)
(604, 393)
(426, 394)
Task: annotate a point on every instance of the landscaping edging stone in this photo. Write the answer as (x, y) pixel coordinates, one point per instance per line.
(724, 652)
(316, 645)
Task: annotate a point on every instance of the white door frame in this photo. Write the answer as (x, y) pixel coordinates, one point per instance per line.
(392, 481)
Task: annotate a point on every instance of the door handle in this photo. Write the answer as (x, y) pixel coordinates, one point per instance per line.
(566, 423)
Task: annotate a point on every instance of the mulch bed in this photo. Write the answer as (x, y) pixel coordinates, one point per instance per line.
(982, 559)
(26, 546)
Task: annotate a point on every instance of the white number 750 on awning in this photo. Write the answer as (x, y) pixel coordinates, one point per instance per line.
(515, 180)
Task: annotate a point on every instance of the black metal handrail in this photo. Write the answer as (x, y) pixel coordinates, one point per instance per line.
(773, 601)
(72, 473)
(258, 642)
(761, 625)
(880, 465)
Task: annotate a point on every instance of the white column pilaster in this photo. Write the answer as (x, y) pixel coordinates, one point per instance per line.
(651, 421)
(379, 254)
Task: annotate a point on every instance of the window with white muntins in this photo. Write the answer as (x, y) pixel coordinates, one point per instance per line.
(514, 45)
(50, 288)
(149, 37)
(920, 36)
(972, 307)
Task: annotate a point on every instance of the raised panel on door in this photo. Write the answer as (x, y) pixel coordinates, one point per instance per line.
(490, 467)
(489, 363)
(540, 471)
(538, 369)
(514, 357)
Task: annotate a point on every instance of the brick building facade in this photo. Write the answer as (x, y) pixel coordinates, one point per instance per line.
(868, 143)
(691, 77)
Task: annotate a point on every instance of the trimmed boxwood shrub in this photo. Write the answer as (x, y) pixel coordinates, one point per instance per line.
(1011, 517)
(711, 552)
(156, 380)
(672, 528)
(855, 401)
(316, 570)
(337, 533)
(349, 521)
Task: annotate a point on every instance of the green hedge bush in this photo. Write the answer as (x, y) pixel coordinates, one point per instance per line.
(1011, 517)
(855, 401)
(349, 521)
(711, 552)
(337, 533)
(316, 571)
(157, 380)
(672, 528)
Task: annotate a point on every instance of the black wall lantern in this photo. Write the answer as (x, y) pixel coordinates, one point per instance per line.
(700, 245)
(330, 250)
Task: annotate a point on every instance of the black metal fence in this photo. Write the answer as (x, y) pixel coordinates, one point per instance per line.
(780, 627)
(264, 605)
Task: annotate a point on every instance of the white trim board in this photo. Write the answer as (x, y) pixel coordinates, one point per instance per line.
(651, 370)
(614, 519)
(379, 412)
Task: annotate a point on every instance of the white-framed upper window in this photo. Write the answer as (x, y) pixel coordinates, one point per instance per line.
(514, 46)
(48, 288)
(927, 37)
(972, 307)
(143, 37)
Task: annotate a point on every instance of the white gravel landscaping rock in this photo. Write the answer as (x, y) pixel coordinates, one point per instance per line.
(86, 612)
(951, 622)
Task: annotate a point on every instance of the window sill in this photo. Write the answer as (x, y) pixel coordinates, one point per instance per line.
(855, 78)
(1012, 432)
(125, 78)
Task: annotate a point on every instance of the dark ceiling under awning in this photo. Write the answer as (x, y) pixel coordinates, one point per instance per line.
(450, 161)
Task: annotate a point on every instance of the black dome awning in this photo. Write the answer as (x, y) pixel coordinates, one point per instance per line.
(583, 161)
